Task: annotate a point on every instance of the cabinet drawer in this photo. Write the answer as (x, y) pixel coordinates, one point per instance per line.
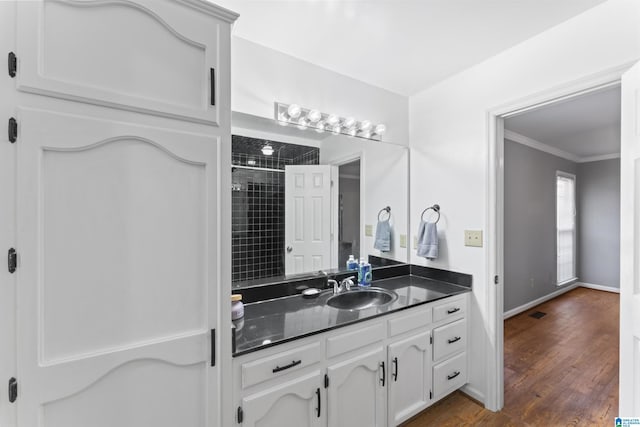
(419, 317)
(449, 339)
(358, 338)
(450, 309)
(279, 364)
(449, 375)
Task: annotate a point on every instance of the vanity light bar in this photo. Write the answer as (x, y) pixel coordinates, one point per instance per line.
(306, 118)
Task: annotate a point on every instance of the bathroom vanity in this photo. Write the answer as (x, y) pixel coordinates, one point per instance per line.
(300, 362)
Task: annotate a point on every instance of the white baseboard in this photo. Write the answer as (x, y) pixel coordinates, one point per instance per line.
(599, 287)
(527, 306)
(472, 393)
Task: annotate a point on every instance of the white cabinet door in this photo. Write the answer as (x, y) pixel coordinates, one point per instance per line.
(153, 56)
(308, 212)
(356, 392)
(117, 275)
(409, 377)
(295, 403)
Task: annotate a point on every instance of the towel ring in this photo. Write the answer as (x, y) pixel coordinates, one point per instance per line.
(387, 210)
(435, 208)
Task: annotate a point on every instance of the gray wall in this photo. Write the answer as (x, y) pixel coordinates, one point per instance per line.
(599, 223)
(529, 223)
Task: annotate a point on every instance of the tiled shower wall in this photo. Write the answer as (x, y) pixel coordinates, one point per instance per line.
(258, 205)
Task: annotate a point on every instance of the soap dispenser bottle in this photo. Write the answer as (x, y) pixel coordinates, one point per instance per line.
(364, 273)
(352, 264)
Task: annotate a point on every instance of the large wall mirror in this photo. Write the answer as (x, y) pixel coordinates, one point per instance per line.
(304, 201)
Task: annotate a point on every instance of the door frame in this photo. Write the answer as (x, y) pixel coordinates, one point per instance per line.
(352, 157)
(494, 393)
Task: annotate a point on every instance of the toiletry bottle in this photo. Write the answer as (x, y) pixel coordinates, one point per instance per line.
(352, 264)
(364, 273)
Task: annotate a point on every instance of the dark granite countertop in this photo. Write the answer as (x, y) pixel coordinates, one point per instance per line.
(280, 320)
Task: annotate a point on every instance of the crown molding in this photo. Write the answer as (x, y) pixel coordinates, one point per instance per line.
(598, 158)
(537, 145)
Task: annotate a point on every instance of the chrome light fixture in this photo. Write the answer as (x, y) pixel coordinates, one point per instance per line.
(267, 149)
(308, 118)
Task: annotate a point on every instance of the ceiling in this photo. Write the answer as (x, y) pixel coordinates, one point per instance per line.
(404, 46)
(582, 127)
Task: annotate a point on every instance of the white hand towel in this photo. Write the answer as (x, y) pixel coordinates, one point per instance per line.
(428, 240)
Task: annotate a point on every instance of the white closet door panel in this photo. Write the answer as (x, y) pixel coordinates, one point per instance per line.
(117, 235)
(153, 56)
(114, 200)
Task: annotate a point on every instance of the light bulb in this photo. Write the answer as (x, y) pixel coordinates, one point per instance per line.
(380, 129)
(352, 132)
(349, 122)
(267, 150)
(336, 129)
(320, 126)
(314, 116)
(294, 111)
(366, 135)
(251, 162)
(333, 119)
(303, 123)
(282, 119)
(365, 125)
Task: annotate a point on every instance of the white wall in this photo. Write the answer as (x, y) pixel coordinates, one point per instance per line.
(262, 76)
(449, 136)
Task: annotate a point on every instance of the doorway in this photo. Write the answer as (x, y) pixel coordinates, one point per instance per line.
(495, 226)
(349, 210)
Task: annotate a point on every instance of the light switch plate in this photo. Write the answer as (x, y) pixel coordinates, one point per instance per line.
(368, 230)
(403, 240)
(473, 238)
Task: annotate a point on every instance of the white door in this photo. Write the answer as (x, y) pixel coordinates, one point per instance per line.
(152, 56)
(409, 377)
(116, 281)
(307, 218)
(295, 403)
(630, 245)
(356, 395)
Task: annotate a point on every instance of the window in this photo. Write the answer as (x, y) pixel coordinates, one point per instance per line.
(565, 227)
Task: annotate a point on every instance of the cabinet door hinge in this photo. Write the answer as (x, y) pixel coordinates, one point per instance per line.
(12, 62)
(495, 279)
(13, 390)
(12, 130)
(326, 381)
(240, 415)
(213, 347)
(12, 260)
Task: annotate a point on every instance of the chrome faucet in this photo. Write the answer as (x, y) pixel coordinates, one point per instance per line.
(344, 285)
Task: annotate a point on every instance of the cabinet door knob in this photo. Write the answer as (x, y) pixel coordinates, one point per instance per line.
(289, 249)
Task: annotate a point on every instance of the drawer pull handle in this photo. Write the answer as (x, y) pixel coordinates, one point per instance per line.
(453, 310)
(383, 380)
(395, 369)
(452, 376)
(290, 365)
(456, 339)
(318, 408)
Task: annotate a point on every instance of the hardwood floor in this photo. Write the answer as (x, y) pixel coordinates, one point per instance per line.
(560, 370)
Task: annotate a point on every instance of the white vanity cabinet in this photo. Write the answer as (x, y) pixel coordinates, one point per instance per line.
(356, 390)
(409, 377)
(296, 403)
(375, 373)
